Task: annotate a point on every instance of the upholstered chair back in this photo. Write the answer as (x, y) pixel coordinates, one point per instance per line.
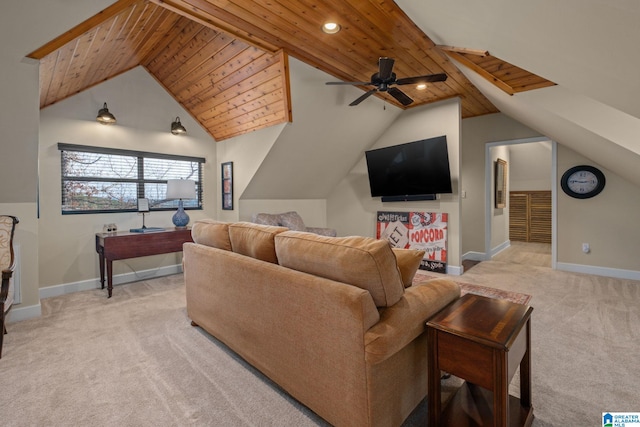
(7, 259)
(7, 264)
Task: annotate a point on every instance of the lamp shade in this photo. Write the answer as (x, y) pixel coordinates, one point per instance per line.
(181, 189)
(105, 117)
(177, 128)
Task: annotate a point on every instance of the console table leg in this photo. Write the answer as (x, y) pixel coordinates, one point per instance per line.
(109, 277)
(101, 260)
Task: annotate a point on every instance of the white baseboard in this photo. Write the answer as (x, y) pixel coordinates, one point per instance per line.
(18, 313)
(474, 256)
(454, 270)
(599, 271)
(501, 247)
(119, 279)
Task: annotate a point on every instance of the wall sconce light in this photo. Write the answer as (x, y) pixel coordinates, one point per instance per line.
(177, 128)
(180, 189)
(105, 117)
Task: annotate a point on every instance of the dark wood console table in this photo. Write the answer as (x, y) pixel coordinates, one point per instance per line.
(483, 341)
(125, 244)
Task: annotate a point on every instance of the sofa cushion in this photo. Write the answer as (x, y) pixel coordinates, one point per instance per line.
(211, 233)
(293, 221)
(359, 261)
(408, 263)
(254, 240)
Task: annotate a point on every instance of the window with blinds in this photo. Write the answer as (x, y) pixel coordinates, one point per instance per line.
(100, 180)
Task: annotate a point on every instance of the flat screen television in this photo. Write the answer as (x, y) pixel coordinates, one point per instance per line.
(413, 171)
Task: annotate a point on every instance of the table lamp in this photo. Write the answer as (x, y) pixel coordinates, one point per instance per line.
(180, 189)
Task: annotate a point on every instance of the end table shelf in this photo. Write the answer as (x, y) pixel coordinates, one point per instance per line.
(483, 341)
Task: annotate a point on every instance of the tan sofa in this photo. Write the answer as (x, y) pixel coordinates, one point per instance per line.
(327, 318)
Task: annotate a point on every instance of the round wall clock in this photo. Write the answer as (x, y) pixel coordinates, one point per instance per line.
(582, 182)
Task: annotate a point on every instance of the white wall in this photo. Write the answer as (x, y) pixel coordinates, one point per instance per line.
(247, 152)
(476, 133)
(324, 140)
(312, 211)
(24, 26)
(530, 166)
(608, 222)
(312, 153)
(144, 111)
(352, 210)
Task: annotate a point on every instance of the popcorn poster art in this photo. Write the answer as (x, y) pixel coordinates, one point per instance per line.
(425, 231)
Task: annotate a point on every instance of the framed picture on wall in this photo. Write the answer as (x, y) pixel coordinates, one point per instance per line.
(501, 184)
(227, 186)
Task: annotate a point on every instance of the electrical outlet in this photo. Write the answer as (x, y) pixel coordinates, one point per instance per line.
(585, 248)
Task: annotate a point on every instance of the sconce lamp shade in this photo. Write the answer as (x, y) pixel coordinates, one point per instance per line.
(177, 128)
(105, 117)
(181, 189)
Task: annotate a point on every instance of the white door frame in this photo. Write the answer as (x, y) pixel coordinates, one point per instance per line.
(488, 171)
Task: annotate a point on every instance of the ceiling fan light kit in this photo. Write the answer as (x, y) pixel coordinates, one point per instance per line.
(385, 81)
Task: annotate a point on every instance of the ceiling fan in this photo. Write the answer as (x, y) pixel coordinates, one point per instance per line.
(385, 81)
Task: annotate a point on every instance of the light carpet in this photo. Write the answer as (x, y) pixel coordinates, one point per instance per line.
(134, 359)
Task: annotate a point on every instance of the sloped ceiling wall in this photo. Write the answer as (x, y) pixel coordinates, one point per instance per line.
(325, 139)
(581, 45)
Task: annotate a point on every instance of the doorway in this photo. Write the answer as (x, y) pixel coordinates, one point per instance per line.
(498, 245)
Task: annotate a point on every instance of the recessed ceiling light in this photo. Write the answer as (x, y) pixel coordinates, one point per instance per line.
(331, 27)
(421, 86)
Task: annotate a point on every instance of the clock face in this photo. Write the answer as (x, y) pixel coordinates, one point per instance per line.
(582, 182)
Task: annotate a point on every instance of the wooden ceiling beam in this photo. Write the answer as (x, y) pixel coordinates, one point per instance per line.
(465, 50)
(481, 71)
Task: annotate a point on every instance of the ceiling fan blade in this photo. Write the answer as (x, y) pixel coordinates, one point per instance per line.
(349, 83)
(363, 97)
(385, 66)
(422, 79)
(400, 96)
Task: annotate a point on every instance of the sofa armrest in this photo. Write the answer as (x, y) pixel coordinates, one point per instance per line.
(406, 320)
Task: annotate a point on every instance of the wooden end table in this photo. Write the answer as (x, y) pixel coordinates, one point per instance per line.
(483, 341)
(126, 244)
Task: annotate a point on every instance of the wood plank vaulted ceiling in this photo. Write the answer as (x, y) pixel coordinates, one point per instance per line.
(225, 61)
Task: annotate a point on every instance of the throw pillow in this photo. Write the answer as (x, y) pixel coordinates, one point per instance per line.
(364, 262)
(408, 263)
(254, 240)
(211, 233)
(266, 219)
(293, 221)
